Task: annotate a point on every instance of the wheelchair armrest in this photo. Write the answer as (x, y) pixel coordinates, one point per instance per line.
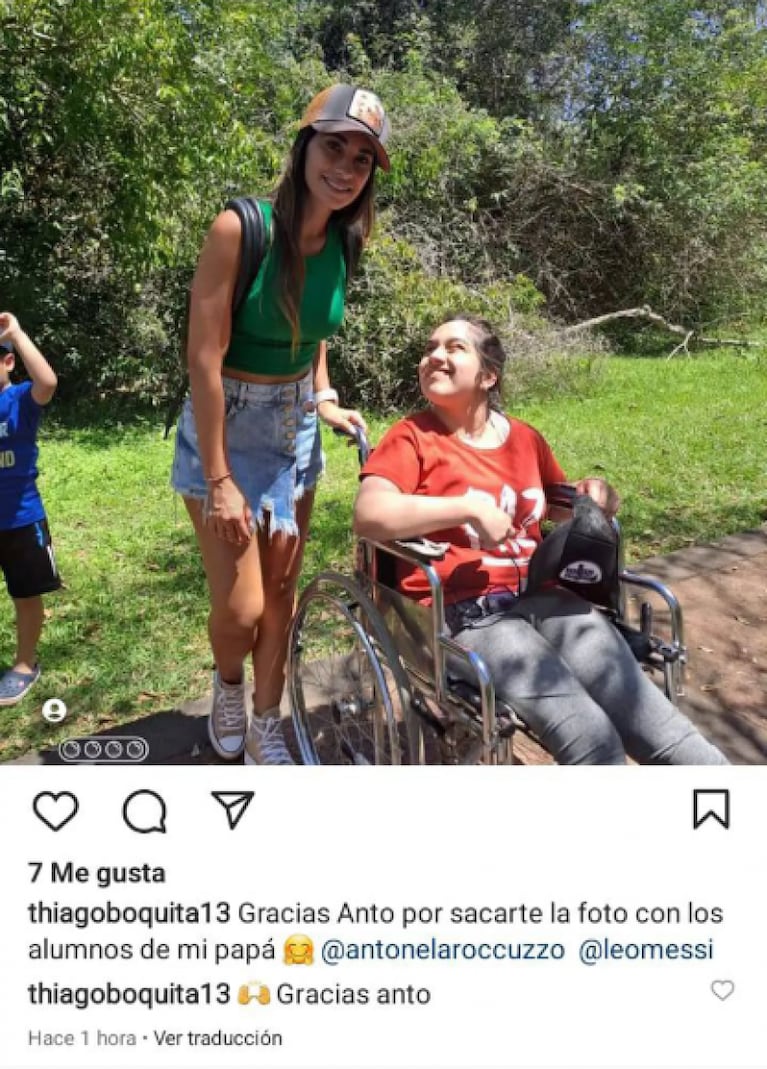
(416, 551)
(421, 550)
(646, 582)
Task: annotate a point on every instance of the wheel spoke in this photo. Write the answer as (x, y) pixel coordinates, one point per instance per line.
(347, 686)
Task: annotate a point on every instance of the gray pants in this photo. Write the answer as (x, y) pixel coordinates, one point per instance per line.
(568, 673)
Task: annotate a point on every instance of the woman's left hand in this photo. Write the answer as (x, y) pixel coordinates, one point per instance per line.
(600, 491)
(346, 419)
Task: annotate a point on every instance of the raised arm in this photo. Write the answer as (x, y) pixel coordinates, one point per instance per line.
(41, 373)
(382, 512)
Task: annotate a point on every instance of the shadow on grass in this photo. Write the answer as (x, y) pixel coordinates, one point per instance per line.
(670, 527)
(89, 413)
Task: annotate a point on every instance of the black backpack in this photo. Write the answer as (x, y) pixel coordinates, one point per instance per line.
(580, 555)
(255, 241)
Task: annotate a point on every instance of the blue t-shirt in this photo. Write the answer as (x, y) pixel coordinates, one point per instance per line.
(20, 501)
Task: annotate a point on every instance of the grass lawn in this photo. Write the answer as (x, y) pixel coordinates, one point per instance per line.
(683, 440)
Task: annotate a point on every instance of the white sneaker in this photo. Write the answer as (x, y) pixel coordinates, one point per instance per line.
(265, 743)
(228, 720)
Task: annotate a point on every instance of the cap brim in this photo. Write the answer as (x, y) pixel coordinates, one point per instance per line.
(337, 126)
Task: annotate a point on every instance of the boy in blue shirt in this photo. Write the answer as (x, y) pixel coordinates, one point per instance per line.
(26, 553)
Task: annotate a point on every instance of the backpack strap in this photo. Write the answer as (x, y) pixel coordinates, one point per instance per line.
(255, 241)
(253, 247)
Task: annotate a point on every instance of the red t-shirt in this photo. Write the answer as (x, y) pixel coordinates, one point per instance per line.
(420, 456)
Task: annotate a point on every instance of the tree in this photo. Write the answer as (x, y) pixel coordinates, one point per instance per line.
(124, 126)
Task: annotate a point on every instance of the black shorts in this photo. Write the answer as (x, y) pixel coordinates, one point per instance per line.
(27, 560)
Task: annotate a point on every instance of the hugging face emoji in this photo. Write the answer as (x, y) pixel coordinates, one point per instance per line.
(299, 950)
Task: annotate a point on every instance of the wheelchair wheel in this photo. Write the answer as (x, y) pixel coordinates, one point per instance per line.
(350, 696)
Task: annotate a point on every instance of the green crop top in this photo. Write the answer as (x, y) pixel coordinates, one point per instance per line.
(261, 340)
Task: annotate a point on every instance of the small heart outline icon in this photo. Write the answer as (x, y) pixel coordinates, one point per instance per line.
(48, 801)
(722, 989)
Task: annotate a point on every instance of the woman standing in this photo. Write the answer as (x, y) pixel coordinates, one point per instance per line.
(248, 452)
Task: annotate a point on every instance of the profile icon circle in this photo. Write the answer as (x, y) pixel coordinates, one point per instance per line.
(54, 710)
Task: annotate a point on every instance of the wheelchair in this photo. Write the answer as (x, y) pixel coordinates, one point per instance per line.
(375, 678)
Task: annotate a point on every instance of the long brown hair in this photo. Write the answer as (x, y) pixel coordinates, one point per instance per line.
(355, 223)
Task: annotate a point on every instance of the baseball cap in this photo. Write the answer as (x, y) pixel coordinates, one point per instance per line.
(347, 107)
(6, 347)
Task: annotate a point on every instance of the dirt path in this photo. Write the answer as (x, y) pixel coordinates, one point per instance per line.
(723, 592)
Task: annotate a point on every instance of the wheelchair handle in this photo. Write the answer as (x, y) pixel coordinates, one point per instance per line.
(359, 437)
(561, 495)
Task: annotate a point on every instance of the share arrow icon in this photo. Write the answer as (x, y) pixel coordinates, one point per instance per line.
(235, 803)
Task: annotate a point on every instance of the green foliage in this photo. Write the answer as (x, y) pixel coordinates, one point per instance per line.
(397, 303)
(545, 364)
(670, 104)
(124, 126)
(501, 54)
(609, 153)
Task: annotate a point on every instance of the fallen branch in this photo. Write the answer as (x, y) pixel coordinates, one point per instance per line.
(646, 313)
(684, 346)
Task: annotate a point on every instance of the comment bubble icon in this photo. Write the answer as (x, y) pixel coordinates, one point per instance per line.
(144, 812)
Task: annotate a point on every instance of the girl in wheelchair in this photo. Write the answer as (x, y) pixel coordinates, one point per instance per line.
(464, 473)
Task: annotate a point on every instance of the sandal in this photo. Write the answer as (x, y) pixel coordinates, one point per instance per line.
(14, 685)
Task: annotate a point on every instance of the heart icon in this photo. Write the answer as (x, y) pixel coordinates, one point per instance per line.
(55, 810)
(723, 988)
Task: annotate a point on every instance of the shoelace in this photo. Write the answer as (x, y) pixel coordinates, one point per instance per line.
(268, 733)
(230, 715)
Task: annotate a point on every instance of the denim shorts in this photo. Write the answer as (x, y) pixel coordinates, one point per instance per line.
(273, 445)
